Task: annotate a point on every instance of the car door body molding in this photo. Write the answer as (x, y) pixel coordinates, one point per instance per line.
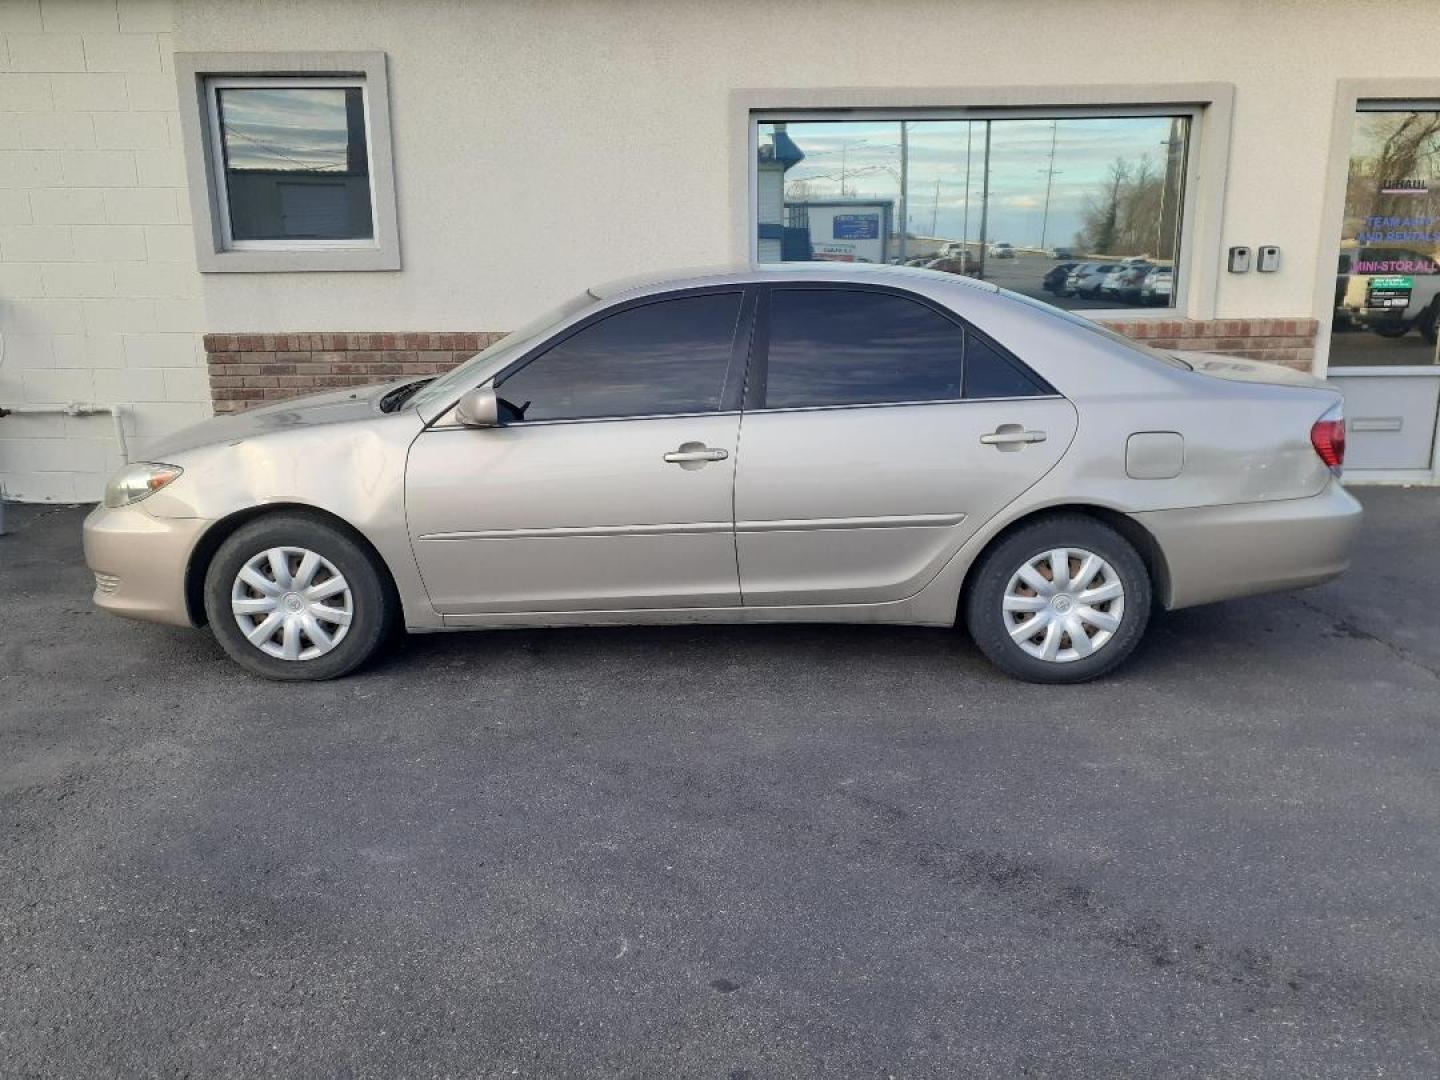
(661, 529)
(883, 521)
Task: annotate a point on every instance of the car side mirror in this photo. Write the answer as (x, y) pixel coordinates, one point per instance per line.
(479, 408)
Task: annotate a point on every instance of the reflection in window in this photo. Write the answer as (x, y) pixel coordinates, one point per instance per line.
(1387, 284)
(296, 162)
(1011, 200)
(662, 358)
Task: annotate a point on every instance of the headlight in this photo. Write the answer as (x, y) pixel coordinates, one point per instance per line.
(135, 482)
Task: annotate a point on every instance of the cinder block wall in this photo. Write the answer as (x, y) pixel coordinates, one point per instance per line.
(99, 296)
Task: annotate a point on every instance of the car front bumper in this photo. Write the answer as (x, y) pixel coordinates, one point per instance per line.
(1218, 552)
(139, 562)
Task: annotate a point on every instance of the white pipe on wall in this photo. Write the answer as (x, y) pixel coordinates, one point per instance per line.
(79, 408)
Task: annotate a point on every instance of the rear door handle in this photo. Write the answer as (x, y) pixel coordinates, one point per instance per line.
(1012, 436)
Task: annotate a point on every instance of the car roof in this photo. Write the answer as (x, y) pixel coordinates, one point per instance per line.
(696, 277)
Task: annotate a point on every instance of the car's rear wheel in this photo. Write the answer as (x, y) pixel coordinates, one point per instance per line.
(1063, 600)
(290, 597)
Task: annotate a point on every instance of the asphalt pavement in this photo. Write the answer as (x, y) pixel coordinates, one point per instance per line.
(726, 852)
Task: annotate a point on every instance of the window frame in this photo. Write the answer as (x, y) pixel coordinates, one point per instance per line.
(731, 389)
(758, 371)
(200, 76)
(1209, 106)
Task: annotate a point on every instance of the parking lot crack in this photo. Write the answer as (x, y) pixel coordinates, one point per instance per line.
(1340, 626)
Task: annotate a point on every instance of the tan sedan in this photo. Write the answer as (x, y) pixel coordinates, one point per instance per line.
(798, 443)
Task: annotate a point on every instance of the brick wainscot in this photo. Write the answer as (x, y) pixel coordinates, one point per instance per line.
(251, 369)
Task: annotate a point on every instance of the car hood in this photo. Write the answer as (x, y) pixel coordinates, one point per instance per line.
(1237, 369)
(332, 407)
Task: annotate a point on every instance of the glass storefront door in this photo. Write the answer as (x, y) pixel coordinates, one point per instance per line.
(1383, 351)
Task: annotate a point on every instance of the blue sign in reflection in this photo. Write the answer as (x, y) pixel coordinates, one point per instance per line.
(856, 227)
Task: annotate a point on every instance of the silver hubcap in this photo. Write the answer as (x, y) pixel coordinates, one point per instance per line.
(1064, 604)
(291, 603)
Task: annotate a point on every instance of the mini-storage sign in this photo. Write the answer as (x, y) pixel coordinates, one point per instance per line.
(856, 227)
(1389, 292)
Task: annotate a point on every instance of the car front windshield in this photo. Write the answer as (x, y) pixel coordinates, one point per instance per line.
(454, 383)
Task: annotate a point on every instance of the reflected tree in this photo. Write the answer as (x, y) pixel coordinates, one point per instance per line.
(1128, 214)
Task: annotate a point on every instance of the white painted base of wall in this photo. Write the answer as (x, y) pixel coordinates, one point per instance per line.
(1391, 478)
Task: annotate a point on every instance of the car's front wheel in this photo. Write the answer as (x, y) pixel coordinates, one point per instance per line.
(291, 597)
(1062, 600)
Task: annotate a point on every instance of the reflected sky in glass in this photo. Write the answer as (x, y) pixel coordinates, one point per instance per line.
(285, 129)
(945, 154)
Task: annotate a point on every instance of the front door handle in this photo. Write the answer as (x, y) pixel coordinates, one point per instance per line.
(1011, 437)
(692, 455)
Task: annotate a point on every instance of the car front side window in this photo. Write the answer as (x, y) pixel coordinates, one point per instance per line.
(667, 357)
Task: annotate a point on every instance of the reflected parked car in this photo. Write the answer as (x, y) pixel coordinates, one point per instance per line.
(1061, 253)
(1389, 291)
(1124, 284)
(1076, 276)
(1054, 281)
(1158, 286)
(968, 265)
(1089, 279)
(916, 445)
(1002, 250)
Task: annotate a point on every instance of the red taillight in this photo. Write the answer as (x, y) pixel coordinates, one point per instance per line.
(1328, 438)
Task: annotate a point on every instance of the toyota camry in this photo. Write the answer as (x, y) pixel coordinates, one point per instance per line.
(803, 443)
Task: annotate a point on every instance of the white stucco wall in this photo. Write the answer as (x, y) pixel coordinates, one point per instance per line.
(542, 146)
(99, 298)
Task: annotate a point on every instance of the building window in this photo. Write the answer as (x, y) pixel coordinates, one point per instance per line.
(295, 162)
(290, 169)
(1079, 209)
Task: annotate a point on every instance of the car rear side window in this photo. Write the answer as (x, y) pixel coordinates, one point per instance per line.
(661, 358)
(851, 347)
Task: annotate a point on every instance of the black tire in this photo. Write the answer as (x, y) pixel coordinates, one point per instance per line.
(1430, 324)
(372, 606)
(1391, 330)
(989, 624)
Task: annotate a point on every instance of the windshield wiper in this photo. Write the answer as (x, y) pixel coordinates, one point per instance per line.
(394, 399)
